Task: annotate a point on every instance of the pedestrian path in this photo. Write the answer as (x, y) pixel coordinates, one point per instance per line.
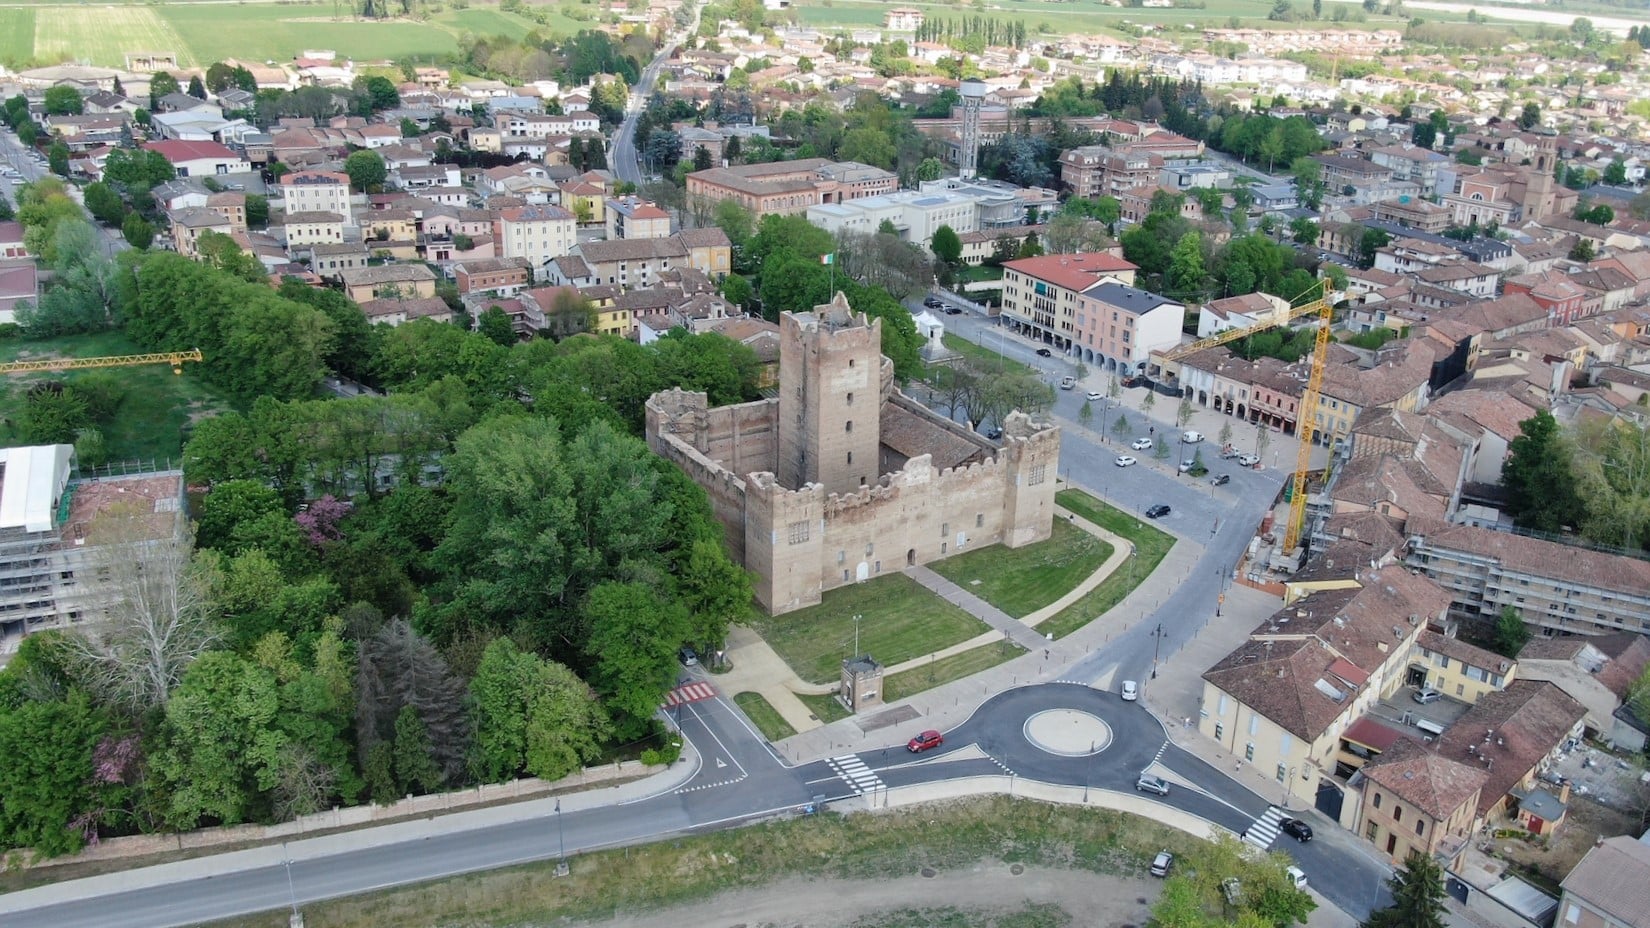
(860, 778)
(1264, 830)
(1010, 627)
(692, 692)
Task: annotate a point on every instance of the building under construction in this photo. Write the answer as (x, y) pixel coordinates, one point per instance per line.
(49, 527)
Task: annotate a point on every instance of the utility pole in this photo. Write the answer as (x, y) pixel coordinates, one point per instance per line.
(857, 617)
(1157, 647)
(297, 920)
(561, 844)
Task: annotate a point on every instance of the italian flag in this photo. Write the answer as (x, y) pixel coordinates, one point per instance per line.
(828, 259)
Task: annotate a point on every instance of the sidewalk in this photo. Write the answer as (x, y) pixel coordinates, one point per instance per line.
(1177, 695)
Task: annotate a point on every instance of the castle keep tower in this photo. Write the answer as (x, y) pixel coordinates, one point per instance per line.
(830, 398)
(968, 157)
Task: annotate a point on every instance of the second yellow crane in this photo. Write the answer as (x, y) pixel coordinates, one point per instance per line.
(174, 358)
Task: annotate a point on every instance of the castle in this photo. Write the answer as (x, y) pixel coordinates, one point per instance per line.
(843, 476)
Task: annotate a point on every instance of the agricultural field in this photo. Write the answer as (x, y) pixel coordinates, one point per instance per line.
(16, 34)
(102, 34)
(1045, 16)
(201, 33)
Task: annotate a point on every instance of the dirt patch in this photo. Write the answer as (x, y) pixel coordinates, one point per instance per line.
(986, 892)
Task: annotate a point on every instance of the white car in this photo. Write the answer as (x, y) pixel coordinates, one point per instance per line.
(1248, 460)
(1124, 460)
(1131, 691)
(1094, 396)
(1142, 444)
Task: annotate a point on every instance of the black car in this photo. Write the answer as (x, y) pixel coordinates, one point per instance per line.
(932, 303)
(1044, 353)
(1297, 829)
(1221, 480)
(952, 311)
(1157, 512)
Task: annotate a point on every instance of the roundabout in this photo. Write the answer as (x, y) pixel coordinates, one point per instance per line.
(1068, 732)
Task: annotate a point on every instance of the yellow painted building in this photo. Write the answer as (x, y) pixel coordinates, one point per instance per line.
(1460, 671)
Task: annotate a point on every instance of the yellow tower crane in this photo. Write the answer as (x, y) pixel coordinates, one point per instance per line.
(174, 358)
(1305, 421)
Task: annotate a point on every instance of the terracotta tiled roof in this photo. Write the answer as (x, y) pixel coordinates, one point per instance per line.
(1615, 877)
(1430, 782)
(1511, 731)
(1074, 272)
(1537, 557)
(910, 435)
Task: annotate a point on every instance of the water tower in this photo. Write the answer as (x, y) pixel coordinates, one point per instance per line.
(973, 94)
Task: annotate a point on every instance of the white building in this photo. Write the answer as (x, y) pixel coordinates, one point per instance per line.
(537, 233)
(915, 215)
(316, 192)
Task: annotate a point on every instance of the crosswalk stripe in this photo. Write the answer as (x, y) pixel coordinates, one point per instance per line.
(692, 692)
(1264, 830)
(855, 773)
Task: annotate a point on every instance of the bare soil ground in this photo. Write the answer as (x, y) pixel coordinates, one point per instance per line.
(991, 892)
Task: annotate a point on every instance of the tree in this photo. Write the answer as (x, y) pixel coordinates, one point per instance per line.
(1120, 428)
(1085, 415)
(930, 169)
(531, 714)
(1417, 893)
(257, 210)
(1186, 277)
(57, 157)
(1369, 243)
(634, 635)
(495, 323)
(137, 231)
(1510, 632)
(399, 670)
(1530, 117)
(379, 92)
(946, 245)
(196, 88)
(103, 203)
(366, 170)
(701, 158)
(161, 83)
(1183, 413)
(49, 776)
(1582, 251)
(1616, 174)
(733, 218)
(63, 100)
(1539, 478)
(220, 749)
(715, 591)
(159, 618)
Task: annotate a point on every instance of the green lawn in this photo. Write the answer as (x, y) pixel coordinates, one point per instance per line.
(1020, 581)
(16, 35)
(938, 673)
(983, 357)
(1151, 545)
(763, 715)
(901, 620)
(824, 707)
(149, 423)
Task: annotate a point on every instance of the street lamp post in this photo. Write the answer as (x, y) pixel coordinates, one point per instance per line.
(292, 894)
(561, 844)
(857, 617)
(1157, 647)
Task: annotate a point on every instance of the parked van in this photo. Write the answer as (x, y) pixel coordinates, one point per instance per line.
(1429, 728)
(1191, 437)
(1067, 383)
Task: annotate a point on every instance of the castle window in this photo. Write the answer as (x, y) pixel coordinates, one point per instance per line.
(1039, 472)
(848, 426)
(850, 399)
(798, 532)
(979, 520)
(945, 529)
(869, 548)
(850, 458)
(841, 556)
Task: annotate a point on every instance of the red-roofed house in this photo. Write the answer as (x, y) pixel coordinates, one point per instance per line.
(18, 282)
(1040, 294)
(11, 241)
(1554, 291)
(200, 159)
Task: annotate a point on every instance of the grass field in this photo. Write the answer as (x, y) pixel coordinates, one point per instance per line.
(16, 34)
(148, 425)
(762, 714)
(102, 35)
(824, 707)
(691, 868)
(201, 33)
(1020, 581)
(984, 357)
(1151, 546)
(901, 620)
(938, 673)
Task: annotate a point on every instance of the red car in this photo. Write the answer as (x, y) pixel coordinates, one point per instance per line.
(924, 741)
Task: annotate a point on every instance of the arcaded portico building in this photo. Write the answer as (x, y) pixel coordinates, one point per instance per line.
(843, 477)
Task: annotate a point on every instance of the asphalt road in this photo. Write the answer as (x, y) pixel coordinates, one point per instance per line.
(740, 780)
(624, 159)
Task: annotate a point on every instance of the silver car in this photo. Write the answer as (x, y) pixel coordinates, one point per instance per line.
(1150, 784)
